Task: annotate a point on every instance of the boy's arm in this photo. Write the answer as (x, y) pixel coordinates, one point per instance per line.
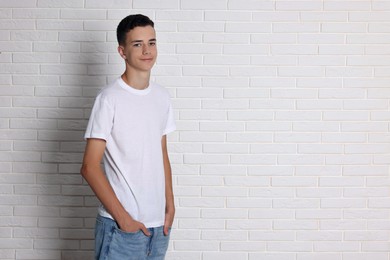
(170, 205)
(94, 175)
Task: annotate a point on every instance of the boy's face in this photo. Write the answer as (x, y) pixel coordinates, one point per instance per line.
(140, 50)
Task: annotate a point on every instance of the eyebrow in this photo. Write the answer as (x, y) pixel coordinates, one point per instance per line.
(151, 40)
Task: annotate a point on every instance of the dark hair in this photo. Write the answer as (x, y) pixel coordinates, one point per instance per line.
(130, 22)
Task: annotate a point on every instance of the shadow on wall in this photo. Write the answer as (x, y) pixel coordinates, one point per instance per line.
(82, 73)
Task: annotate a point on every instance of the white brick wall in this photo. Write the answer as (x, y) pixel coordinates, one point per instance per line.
(282, 150)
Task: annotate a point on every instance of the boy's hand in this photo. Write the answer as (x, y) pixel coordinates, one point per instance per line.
(169, 216)
(133, 226)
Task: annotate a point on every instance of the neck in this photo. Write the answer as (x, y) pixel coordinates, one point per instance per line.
(139, 80)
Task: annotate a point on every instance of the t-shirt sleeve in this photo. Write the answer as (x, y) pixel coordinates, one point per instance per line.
(101, 120)
(170, 125)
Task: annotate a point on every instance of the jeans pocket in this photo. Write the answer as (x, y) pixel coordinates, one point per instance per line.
(127, 245)
(125, 233)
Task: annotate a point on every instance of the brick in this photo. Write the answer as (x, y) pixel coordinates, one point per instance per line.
(248, 28)
(321, 61)
(302, 71)
(17, 24)
(13, 221)
(36, 211)
(82, 36)
(248, 138)
(60, 201)
(98, 25)
(244, 49)
(15, 243)
(86, 14)
(341, 181)
(55, 244)
(242, 246)
(345, 116)
(271, 38)
(294, 50)
(363, 39)
(342, 93)
(182, 15)
(183, 60)
(63, 69)
(320, 16)
(320, 149)
(366, 192)
(186, 234)
(342, 50)
(295, 225)
(5, 232)
(38, 254)
(296, 27)
(19, 157)
(298, 115)
(77, 254)
(6, 13)
(37, 189)
(299, 5)
(204, 5)
(198, 245)
(253, 71)
(272, 256)
(223, 60)
(294, 94)
(271, 214)
(272, 104)
(34, 36)
(347, 159)
(191, 48)
(320, 214)
(19, 68)
(293, 181)
(56, 47)
(327, 85)
(369, 16)
(223, 255)
(16, 46)
(202, 202)
(249, 203)
(309, 192)
(336, 246)
(22, 3)
(364, 256)
(183, 255)
(57, 3)
(226, 16)
(254, 159)
(270, 170)
(76, 233)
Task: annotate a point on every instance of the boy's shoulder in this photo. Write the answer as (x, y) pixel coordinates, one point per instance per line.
(159, 88)
(110, 89)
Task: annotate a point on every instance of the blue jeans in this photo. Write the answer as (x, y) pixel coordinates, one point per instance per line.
(111, 243)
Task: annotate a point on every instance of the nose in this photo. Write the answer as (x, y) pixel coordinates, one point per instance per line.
(146, 50)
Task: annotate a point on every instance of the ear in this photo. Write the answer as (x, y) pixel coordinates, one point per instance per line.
(121, 52)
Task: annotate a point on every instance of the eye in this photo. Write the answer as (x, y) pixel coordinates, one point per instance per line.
(137, 45)
(152, 43)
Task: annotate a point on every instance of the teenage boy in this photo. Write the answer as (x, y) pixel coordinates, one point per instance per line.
(127, 130)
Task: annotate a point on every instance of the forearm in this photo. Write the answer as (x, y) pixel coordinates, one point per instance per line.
(104, 192)
(169, 196)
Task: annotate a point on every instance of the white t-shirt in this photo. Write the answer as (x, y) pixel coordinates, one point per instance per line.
(133, 122)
